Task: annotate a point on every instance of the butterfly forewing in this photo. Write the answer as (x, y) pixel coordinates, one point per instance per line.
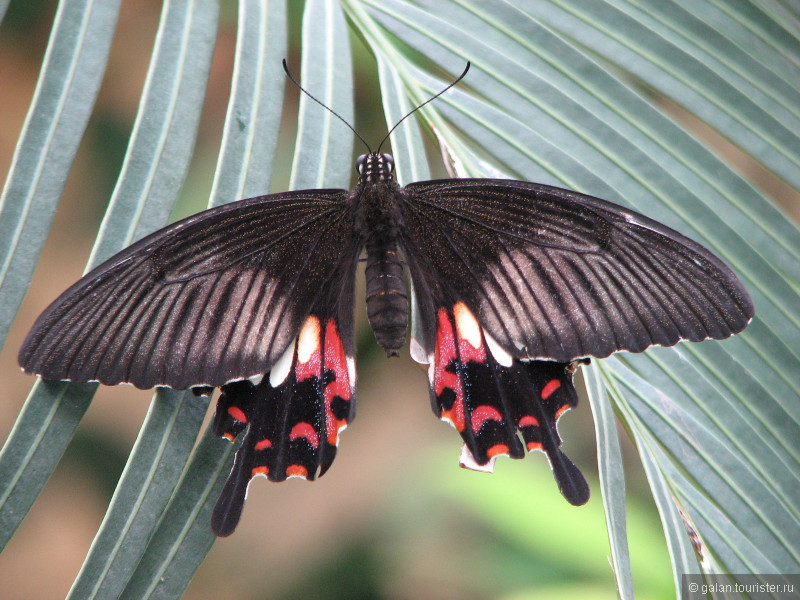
(555, 274)
(213, 298)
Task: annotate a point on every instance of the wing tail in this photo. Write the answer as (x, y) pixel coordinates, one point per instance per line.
(548, 392)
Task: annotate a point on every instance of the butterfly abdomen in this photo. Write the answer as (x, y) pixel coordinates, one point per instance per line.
(380, 223)
(387, 301)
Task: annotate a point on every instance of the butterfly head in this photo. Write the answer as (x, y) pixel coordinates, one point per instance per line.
(375, 167)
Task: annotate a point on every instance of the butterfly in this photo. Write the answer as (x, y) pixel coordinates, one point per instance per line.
(515, 284)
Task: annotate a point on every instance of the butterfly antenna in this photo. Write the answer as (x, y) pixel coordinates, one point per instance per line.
(325, 106)
(431, 99)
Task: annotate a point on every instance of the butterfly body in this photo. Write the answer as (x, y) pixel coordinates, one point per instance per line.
(380, 222)
(514, 285)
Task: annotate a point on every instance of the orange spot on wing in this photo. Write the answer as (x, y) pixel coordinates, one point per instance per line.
(551, 387)
(497, 450)
(296, 471)
(562, 410)
(534, 445)
(229, 436)
(528, 421)
(260, 470)
(237, 413)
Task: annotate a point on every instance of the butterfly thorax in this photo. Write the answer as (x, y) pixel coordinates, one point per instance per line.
(378, 219)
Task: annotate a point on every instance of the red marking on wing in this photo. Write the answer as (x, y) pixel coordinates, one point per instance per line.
(498, 450)
(551, 387)
(528, 421)
(534, 445)
(229, 436)
(455, 416)
(260, 470)
(562, 410)
(264, 444)
(334, 427)
(305, 430)
(468, 352)
(312, 368)
(237, 413)
(445, 353)
(485, 413)
(335, 360)
(296, 471)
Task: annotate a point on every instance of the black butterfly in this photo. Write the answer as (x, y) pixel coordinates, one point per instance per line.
(515, 284)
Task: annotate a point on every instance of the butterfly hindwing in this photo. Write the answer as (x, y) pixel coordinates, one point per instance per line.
(291, 419)
(465, 388)
(492, 398)
(213, 298)
(556, 274)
